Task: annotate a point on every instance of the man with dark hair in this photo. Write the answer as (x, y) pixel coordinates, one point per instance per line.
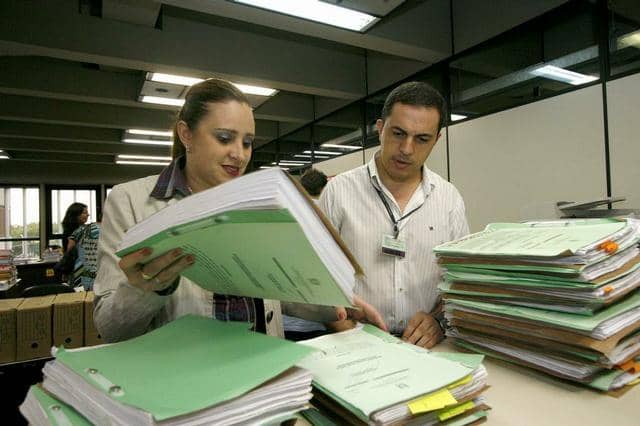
(392, 211)
(314, 181)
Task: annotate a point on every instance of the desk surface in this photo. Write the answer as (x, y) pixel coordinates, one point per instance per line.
(521, 396)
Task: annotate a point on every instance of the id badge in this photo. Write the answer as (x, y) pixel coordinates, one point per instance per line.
(393, 246)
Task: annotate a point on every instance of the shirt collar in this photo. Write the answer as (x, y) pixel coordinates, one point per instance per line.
(426, 183)
(171, 181)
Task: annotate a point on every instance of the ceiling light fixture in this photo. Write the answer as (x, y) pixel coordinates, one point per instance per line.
(323, 152)
(271, 167)
(318, 11)
(629, 40)
(190, 81)
(143, 157)
(142, 163)
(309, 156)
(147, 141)
(332, 145)
(560, 74)
(149, 132)
(3, 155)
(457, 117)
(162, 101)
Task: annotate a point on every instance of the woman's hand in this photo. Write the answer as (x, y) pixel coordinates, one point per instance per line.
(364, 313)
(158, 274)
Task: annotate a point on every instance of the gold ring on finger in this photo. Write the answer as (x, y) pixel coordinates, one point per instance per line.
(146, 277)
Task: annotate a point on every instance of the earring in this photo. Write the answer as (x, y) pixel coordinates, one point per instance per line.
(188, 148)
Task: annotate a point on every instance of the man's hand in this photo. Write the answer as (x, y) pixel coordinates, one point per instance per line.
(423, 330)
(366, 313)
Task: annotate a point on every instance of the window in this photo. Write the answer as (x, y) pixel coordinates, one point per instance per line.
(20, 221)
(59, 199)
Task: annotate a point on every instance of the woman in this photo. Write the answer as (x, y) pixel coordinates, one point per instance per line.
(213, 138)
(76, 216)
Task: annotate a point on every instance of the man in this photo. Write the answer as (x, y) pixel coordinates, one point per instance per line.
(392, 211)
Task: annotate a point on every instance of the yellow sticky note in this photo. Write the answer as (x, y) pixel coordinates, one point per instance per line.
(634, 382)
(460, 382)
(433, 401)
(447, 413)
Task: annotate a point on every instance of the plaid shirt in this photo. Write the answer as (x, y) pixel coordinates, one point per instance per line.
(171, 183)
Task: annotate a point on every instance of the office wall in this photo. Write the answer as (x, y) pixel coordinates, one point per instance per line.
(516, 164)
(623, 101)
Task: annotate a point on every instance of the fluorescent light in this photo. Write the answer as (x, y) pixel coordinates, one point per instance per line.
(288, 163)
(271, 167)
(147, 142)
(629, 40)
(175, 79)
(256, 90)
(4, 157)
(332, 145)
(456, 117)
(323, 152)
(190, 81)
(149, 132)
(560, 74)
(318, 11)
(143, 163)
(162, 101)
(143, 157)
(309, 156)
(294, 162)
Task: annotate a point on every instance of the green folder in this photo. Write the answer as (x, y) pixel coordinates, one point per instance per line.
(280, 265)
(571, 321)
(187, 365)
(545, 240)
(57, 412)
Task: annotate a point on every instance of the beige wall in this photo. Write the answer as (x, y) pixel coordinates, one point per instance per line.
(623, 101)
(516, 164)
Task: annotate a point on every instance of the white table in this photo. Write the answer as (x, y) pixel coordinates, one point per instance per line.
(521, 396)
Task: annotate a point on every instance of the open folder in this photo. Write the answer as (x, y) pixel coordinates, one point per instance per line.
(259, 236)
(193, 370)
(368, 376)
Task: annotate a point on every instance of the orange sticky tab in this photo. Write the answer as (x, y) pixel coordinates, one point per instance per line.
(603, 245)
(630, 366)
(611, 247)
(608, 289)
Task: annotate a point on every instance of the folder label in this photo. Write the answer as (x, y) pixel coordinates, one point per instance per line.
(433, 401)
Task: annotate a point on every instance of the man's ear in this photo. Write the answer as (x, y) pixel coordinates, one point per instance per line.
(184, 133)
(379, 126)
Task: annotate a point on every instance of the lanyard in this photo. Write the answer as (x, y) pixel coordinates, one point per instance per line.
(395, 222)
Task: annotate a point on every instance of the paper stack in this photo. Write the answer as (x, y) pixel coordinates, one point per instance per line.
(8, 272)
(557, 296)
(366, 376)
(192, 371)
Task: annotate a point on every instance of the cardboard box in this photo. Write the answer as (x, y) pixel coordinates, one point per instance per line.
(68, 319)
(8, 329)
(91, 335)
(33, 319)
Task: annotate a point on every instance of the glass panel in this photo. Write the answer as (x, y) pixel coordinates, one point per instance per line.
(23, 250)
(61, 199)
(624, 30)
(550, 55)
(32, 204)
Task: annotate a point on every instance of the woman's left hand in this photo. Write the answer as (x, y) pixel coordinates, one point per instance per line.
(364, 312)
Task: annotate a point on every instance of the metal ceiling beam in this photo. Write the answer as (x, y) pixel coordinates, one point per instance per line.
(55, 28)
(105, 148)
(49, 111)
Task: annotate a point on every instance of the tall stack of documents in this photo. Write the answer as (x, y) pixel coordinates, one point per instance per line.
(300, 257)
(366, 376)
(8, 272)
(558, 296)
(192, 371)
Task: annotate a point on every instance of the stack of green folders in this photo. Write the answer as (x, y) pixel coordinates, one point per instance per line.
(194, 371)
(366, 376)
(557, 296)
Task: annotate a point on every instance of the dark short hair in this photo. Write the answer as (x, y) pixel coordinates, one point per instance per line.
(314, 181)
(416, 93)
(196, 105)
